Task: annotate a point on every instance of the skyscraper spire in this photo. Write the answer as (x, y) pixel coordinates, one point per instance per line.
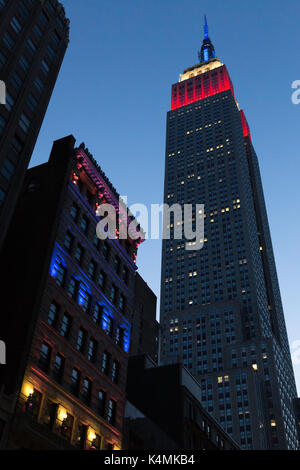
(205, 28)
(207, 50)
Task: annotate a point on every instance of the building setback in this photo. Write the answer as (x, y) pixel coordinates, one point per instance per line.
(221, 310)
(68, 300)
(168, 396)
(34, 36)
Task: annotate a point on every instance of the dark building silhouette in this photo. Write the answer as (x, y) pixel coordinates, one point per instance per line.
(34, 36)
(297, 417)
(145, 328)
(169, 397)
(141, 433)
(221, 310)
(68, 298)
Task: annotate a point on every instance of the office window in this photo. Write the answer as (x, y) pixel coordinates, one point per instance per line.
(113, 294)
(31, 47)
(109, 325)
(120, 336)
(87, 390)
(73, 288)
(81, 339)
(68, 241)
(45, 357)
(84, 224)
(37, 31)
(122, 303)
(60, 275)
(125, 274)
(111, 412)
(92, 269)
(75, 381)
(82, 436)
(58, 367)
(8, 169)
(15, 24)
(50, 52)
(31, 102)
(38, 84)
(24, 64)
(74, 211)
(79, 253)
(45, 68)
(66, 326)
(49, 7)
(105, 251)
(23, 10)
(9, 102)
(97, 314)
(101, 403)
(92, 350)
(24, 123)
(115, 372)
(102, 279)
(2, 4)
(96, 443)
(105, 363)
(8, 40)
(55, 38)
(50, 413)
(117, 264)
(67, 426)
(96, 241)
(53, 314)
(43, 19)
(86, 301)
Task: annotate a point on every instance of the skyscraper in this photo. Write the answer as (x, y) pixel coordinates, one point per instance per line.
(221, 310)
(34, 36)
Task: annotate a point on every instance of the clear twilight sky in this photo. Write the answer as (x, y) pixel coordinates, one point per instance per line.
(114, 91)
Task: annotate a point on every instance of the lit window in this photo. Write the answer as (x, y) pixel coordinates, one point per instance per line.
(111, 413)
(65, 326)
(53, 314)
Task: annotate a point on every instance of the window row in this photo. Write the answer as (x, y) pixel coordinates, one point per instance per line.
(80, 386)
(60, 421)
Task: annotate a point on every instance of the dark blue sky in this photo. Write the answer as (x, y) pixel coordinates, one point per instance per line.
(113, 92)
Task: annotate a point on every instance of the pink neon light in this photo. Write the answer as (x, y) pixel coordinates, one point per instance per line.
(202, 86)
(246, 128)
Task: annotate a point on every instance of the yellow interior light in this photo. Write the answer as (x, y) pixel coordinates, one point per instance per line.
(91, 435)
(27, 389)
(62, 413)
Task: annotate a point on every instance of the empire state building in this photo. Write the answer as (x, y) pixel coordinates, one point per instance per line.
(221, 309)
